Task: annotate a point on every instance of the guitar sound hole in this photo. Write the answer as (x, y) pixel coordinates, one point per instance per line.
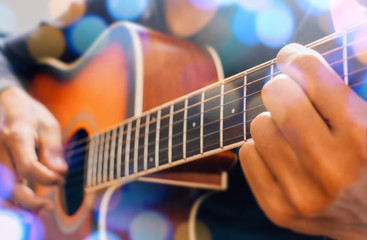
(73, 190)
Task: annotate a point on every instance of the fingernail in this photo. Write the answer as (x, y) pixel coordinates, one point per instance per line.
(60, 163)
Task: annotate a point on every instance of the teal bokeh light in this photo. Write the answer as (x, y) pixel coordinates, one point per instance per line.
(96, 236)
(243, 27)
(275, 26)
(83, 33)
(126, 9)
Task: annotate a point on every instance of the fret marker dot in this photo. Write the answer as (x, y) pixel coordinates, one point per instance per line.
(233, 110)
(151, 159)
(153, 118)
(194, 124)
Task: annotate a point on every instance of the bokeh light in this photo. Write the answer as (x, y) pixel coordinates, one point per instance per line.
(150, 225)
(58, 7)
(255, 5)
(7, 180)
(275, 25)
(46, 41)
(8, 20)
(126, 10)
(84, 32)
(346, 14)
(205, 4)
(243, 27)
(96, 236)
(11, 226)
(315, 7)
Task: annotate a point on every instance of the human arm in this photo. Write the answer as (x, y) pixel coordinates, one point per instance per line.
(307, 162)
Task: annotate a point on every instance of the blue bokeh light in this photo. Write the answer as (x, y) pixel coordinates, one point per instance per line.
(243, 27)
(96, 236)
(8, 19)
(315, 7)
(151, 225)
(126, 9)
(83, 33)
(275, 26)
(7, 180)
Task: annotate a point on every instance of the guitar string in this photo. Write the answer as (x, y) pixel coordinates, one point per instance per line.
(154, 130)
(264, 77)
(218, 85)
(195, 139)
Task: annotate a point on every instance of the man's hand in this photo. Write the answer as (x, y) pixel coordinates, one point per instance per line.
(27, 126)
(307, 162)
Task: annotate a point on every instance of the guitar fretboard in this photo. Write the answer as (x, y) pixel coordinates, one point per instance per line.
(212, 119)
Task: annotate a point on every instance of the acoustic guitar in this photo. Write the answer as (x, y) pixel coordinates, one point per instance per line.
(148, 121)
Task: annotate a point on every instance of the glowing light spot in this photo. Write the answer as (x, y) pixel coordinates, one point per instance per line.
(84, 32)
(257, 6)
(150, 225)
(275, 26)
(233, 110)
(8, 20)
(96, 236)
(151, 159)
(7, 180)
(205, 4)
(315, 7)
(346, 14)
(243, 27)
(126, 10)
(66, 11)
(46, 41)
(194, 124)
(11, 226)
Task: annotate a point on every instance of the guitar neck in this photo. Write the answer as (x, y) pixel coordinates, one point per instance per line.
(207, 121)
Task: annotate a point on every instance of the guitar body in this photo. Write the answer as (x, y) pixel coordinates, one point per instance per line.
(127, 71)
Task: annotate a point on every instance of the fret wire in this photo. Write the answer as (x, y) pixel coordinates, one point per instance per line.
(119, 151)
(127, 149)
(185, 128)
(345, 61)
(202, 123)
(90, 163)
(157, 137)
(244, 104)
(221, 116)
(95, 161)
(105, 157)
(100, 160)
(136, 145)
(146, 139)
(170, 132)
(112, 154)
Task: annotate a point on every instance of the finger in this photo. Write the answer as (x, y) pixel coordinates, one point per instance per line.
(50, 143)
(284, 164)
(20, 141)
(321, 83)
(22, 194)
(266, 190)
(294, 114)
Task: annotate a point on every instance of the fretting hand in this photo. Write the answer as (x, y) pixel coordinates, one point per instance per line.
(307, 162)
